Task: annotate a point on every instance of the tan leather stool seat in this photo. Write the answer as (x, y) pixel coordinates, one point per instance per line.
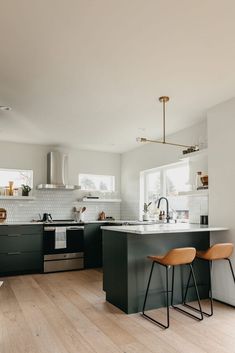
(174, 257)
(216, 252)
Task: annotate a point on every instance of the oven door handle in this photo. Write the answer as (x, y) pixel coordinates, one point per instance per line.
(49, 229)
(75, 228)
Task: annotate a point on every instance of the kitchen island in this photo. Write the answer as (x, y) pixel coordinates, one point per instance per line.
(126, 267)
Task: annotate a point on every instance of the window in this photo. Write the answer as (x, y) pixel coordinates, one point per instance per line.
(18, 177)
(166, 181)
(176, 179)
(92, 182)
(153, 186)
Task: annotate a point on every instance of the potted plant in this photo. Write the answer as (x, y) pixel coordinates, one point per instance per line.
(146, 211)
(25, 190)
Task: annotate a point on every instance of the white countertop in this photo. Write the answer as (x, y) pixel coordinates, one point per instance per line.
(18, 223)
(163, 228)
(118, 221)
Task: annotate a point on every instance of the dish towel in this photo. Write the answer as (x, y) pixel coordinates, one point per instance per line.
(60, 238)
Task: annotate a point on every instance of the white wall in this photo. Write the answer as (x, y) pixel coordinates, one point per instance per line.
(221, 163)
(29, 156)
(151, 156)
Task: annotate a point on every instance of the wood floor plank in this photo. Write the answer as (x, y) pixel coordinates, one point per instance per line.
(67, 313)
(15, 333)
(88, 330)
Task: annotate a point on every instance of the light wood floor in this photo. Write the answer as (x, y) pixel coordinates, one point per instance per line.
(67, 313)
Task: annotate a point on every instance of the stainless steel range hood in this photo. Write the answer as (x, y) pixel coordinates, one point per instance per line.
(57, 173)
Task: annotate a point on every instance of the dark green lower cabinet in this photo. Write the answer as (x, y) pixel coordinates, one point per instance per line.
(20, 263)
(21, 249)
(92, 245)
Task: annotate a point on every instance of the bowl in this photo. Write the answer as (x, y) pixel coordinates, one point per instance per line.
(3, 215)
(204, 180)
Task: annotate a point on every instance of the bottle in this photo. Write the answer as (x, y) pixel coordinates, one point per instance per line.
(198, 182)
(11, 188)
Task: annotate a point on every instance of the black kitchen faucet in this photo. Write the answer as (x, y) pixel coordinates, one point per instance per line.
(167, 208)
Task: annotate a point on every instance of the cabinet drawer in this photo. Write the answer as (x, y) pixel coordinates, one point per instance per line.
(24, 229)
(20, 242)
(16, 262)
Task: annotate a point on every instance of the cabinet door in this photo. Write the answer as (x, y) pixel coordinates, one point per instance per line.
(16, 262)
(20, 249)
(93, 245)
(20, 242)
(15, 230)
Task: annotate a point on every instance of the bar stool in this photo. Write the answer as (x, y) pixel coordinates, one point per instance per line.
(175, 257)
(220, 251)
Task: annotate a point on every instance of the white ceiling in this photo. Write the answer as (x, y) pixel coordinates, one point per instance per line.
(87, 73)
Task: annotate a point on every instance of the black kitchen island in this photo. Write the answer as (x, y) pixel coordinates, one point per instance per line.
(126, 267)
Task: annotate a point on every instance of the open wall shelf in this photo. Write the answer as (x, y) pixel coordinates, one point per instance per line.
(100, 200)
(19, 198)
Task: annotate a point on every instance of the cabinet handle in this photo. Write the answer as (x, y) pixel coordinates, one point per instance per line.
(14, 253)
(13, 235)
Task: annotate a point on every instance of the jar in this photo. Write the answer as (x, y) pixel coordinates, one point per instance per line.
(198, 183)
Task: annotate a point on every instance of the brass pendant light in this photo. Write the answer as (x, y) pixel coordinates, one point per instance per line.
(189, 149)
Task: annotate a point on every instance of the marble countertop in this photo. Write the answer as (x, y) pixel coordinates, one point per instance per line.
(163, 228)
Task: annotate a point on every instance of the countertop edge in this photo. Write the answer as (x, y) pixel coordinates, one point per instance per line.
(123, 229)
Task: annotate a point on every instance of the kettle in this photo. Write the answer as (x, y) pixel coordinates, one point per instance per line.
(47, 217)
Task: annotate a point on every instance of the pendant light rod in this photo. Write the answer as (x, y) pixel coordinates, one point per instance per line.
(164, 100)
(191, 148)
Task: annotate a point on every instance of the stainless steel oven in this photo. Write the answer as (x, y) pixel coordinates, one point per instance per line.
(63, 246)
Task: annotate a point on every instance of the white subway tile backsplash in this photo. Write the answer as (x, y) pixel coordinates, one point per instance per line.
(59, 203)
(196, 205)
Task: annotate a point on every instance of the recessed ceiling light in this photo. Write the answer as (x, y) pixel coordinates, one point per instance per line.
(5, 108)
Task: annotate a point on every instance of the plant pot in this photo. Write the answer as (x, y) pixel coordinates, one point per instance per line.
(145, 217)
(25, 193)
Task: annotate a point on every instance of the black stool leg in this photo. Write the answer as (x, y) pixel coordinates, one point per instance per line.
(210, 294)
(231, 268)
(172, 285)
(197, 294)
(167, 299)
(147, 290)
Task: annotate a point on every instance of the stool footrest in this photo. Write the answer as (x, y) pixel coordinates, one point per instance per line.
(188, 313)
(155, 321)
(195, 309)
